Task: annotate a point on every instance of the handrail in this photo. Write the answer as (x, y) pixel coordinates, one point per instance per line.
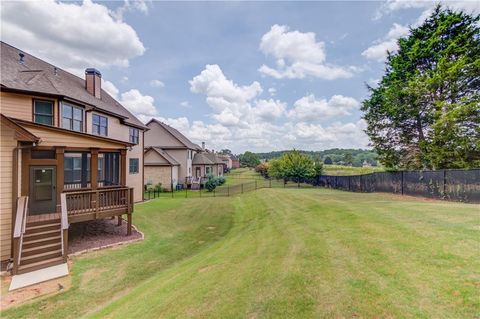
(19, 230)
(97, 201)
(97, 190)
(64, 223)
(21, 216)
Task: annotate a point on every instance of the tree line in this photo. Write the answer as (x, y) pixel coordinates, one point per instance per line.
(338, 156)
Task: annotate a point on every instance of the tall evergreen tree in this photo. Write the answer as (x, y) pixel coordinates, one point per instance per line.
(425, 112)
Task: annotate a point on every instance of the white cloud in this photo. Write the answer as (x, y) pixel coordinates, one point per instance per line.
(157, 83)
(138, 104)
(272, 91)
(185, 104)
(378, 51)
(110, 88)
(298, 55)
(308, 108)
(229, 101)
(75, 36)
(269, 110)
(131, 5)
(124, 79)
(242, 121)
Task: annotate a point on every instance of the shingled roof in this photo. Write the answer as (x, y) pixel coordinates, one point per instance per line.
(37, 76)
(179, 136)
(202, 159)
(164, 154)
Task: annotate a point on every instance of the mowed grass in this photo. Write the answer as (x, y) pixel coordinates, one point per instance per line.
(283, 253)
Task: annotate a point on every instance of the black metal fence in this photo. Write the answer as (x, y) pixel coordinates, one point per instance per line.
(455, 185)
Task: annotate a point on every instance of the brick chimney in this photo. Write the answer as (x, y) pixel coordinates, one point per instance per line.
(93, 82)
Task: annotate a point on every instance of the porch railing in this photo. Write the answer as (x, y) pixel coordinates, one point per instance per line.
(97, 201)
(19, 230)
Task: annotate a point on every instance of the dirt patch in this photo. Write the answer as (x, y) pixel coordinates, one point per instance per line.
(43, 289)
(101, 233)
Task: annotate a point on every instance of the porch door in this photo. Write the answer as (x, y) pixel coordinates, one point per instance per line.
(198, 172)
(43, 195)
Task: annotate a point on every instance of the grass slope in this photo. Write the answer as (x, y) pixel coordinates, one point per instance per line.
(283, 253)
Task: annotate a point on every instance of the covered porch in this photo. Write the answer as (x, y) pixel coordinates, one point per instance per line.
(84, 179)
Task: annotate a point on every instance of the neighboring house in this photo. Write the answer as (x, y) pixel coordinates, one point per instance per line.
(235, 162)
(171, 158)
(160, 167)
(227, 161)
(207, 163)
(178, 147)
(70, 153)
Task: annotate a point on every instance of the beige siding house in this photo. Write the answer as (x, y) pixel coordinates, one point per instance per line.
(166, 147)
(69, 153)
(177, 146)
(160, 167)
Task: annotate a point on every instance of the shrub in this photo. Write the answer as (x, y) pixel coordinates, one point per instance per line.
(211, 184)
(221, 180)
(158, 187)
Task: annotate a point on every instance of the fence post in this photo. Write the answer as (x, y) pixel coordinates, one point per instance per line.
(402, 182)
(228, 190)
(186, 191)
(242, 188)
(360, 183)
(269, 183)
(200, 188)
(444, 184)
(255, 185)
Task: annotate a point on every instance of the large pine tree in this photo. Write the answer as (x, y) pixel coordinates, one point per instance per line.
(425, 112)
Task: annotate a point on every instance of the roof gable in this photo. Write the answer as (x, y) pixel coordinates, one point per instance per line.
(173, 138)
(158, 156)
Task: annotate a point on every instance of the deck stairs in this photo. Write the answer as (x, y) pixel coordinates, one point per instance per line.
(41, 246)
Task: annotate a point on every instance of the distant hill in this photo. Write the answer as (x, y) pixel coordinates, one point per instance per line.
(339, 156)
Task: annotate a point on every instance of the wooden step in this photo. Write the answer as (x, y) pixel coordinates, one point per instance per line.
(25, 260)
(43, 222)
(40, 235)
(41, 249)
(22, 269)
(41, 228)
(41, 242)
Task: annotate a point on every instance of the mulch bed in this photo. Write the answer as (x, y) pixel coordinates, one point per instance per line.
(98, 233)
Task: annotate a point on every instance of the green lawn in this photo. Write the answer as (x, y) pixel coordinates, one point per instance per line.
(283, 253)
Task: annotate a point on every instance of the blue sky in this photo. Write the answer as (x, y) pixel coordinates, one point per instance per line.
(255, 76)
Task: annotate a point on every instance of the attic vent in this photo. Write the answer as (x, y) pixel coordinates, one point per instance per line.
(21, 56)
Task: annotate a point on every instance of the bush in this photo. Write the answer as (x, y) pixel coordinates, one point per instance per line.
(158, 187)
(211, 184)
(221, 180)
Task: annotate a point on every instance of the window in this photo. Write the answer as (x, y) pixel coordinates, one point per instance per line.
(100, 125)
(134, 135)
(108, 169)
(208, 170)
(133, 167)
(76, 170)
(72, 118)
(43, 112)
